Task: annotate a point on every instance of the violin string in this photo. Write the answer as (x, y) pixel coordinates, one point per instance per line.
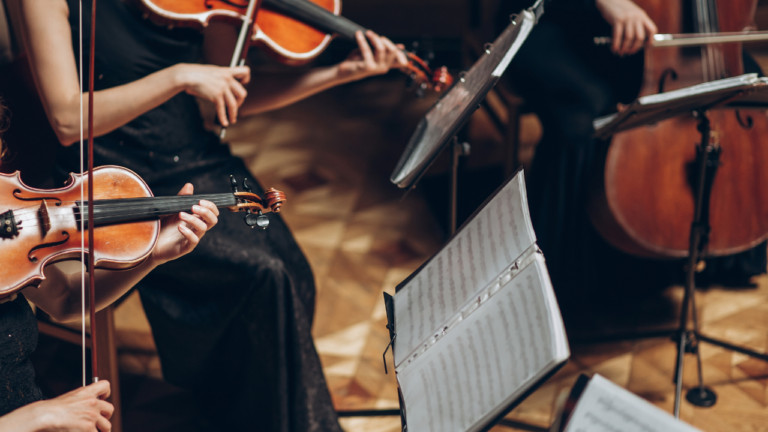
(106, 213)
(82, 198)
(220, 200)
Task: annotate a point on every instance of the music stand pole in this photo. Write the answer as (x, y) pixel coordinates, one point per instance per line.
(458, 149)
(697, 240)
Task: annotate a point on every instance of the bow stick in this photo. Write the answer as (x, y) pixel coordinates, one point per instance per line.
(90, 256)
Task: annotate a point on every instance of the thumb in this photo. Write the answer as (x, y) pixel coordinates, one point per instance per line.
(242, 73)
(101, 389)
(188, 189)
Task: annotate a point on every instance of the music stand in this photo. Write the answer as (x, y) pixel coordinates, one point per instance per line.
(439, 126)
(742, 91)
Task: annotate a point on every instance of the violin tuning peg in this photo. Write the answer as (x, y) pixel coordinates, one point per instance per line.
(246, 186)
(262, 221)
(257, 220)
(233, 183)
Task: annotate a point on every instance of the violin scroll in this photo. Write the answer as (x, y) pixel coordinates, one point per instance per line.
(248, 201)
(441, 79)
(274, 199)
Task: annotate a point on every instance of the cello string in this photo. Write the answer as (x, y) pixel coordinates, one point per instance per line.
(718, 49)
(82, 198)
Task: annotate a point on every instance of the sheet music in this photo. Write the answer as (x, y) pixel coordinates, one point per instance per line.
(606, 407)
(482, 249)
(489, 360)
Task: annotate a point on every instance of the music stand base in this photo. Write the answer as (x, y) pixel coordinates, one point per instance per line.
(701, 397)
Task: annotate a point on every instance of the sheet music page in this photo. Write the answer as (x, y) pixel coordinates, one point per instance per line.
(606, 407)
(481, 250)
(489, 360)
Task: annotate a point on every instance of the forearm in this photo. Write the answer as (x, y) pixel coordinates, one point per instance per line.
(23, 419)
(59, 295)
(115, 106)
(267, 93)
(47, 37)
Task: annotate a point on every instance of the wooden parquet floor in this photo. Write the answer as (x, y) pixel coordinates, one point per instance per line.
(332, 155)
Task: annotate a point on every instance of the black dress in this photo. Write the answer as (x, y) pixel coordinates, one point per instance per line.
(231, 320)
(18, 339)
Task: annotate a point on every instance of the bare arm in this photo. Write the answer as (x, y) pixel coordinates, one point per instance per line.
(273, 91)
(59, 294)
(48, 39)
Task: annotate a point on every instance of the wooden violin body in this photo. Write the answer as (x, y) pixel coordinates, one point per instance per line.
(41, 227)
(193, 13)
(48, 227)
(289, 40)
(643, 203)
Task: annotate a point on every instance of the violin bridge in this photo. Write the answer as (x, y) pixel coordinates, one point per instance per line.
(45, 218)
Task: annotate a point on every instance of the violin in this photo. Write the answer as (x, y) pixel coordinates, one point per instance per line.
(294, 32)
(41, 227)
(643, 202)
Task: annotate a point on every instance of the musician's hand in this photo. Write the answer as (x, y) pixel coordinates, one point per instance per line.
(224, 86)
(631, 25)
(180, 233)
(365, 62)
(81, 410)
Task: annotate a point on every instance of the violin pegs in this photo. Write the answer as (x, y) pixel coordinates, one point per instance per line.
(256, 220)
(246, 186)
(233, 183)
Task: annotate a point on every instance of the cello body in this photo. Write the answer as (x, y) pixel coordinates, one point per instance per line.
(643, 202)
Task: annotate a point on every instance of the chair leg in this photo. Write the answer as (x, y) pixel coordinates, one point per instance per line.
(108, 369)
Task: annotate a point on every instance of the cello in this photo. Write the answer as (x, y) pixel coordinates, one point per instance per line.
(642, 202)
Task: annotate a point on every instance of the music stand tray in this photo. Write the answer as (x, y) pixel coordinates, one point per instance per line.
(452, 110)
(744, 91)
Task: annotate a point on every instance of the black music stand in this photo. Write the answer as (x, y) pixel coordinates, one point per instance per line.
(742, 91)
(439, 126)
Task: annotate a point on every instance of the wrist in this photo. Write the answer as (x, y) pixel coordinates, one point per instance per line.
(152, 261)
(342, 75)
(29, 418)
(180, 79)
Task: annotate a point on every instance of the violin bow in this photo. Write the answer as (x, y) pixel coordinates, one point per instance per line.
(89, 266)
(243, 42)
(91, 257)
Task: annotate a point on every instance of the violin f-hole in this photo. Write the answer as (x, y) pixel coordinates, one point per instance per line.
(47, 245)
(745, 122)
(663, 79)
(18, 197)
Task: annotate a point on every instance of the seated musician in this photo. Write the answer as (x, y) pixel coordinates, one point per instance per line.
(21, 406)
(232, 320)
(568, 81)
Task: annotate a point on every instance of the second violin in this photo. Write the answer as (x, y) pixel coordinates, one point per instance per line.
(296, 31)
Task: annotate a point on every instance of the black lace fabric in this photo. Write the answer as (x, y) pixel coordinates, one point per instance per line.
(18, 339)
